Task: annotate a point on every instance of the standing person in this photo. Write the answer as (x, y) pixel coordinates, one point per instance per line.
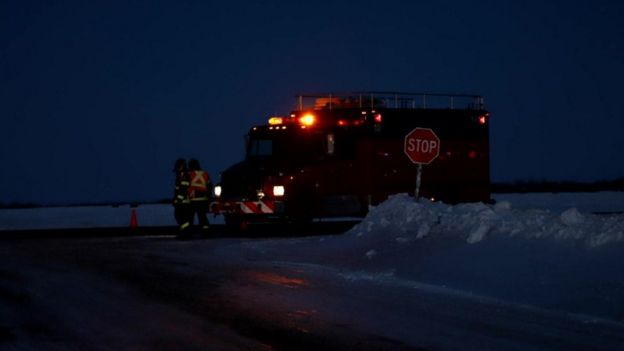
(181, 202)
(198, 193)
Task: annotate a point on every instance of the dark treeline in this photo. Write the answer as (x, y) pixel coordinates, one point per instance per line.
(22, 205)
(537, 186)
(558, 187)
(18, 205)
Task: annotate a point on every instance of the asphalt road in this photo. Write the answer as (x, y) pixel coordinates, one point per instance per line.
(114, 289)
(142, 290)
(217, 231)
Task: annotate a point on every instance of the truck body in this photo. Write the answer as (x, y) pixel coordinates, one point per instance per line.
(336, 155)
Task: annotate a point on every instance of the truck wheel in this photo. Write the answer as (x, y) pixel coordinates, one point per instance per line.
(301, 216)
(235, 223)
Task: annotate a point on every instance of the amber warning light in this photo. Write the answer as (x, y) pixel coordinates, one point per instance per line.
(307, 119)
(276, 121)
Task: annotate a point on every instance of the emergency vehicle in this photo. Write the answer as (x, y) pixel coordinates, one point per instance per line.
(337, 155)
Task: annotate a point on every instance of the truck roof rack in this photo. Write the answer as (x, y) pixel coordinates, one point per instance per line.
(388, 100)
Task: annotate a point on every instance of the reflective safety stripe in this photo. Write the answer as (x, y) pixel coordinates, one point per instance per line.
(184, 183)
(184, 225)
(257, 207)
(200, 178)
(247, 207)
(181, 199)
(206, 227)
(198, 189)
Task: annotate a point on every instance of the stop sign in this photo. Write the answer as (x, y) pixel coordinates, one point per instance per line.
(422, 145)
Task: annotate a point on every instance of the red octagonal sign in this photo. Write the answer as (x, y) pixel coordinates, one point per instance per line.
(422, 145)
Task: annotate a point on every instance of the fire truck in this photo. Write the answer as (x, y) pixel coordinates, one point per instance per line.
(338, 154)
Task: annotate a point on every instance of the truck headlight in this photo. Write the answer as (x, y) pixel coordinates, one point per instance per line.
(217, 190)
(278, 190)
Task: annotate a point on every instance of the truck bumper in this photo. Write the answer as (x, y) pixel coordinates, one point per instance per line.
(247, 207)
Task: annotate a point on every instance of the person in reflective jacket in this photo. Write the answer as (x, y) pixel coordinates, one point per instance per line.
(199, 193)
(181, 202)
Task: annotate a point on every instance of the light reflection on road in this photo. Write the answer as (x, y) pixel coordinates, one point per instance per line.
(276, 279)
(292, 313)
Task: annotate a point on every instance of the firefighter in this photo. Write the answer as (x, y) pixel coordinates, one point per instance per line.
(181, 202)
(198, 193)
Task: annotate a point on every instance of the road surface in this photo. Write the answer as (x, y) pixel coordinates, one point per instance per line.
(139, 292)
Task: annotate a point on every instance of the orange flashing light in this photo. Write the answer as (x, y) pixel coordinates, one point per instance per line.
(307, 119)
(276, 120)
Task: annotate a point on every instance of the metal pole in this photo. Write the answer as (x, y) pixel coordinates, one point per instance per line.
(418, 174)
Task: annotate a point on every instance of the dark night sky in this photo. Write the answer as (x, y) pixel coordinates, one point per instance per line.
(98, 98)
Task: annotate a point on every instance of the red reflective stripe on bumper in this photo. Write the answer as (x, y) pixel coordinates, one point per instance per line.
(257, 207)
(246, 207)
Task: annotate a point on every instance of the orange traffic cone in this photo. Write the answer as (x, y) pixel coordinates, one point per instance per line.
(133, 219)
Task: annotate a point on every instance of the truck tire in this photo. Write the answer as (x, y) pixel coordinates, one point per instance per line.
(301, 210)
(235, 223)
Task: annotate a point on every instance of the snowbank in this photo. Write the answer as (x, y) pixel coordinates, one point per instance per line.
(568, 261)
(474, 222)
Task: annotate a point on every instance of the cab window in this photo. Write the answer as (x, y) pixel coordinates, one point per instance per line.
(260, 147)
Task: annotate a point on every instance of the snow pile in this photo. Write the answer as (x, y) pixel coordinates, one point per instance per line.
(474, 222)
(567, 261)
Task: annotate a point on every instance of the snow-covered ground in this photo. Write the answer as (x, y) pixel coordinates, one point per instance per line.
(85, 217)
(162, 215)
(544, 255)
(569, 261)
